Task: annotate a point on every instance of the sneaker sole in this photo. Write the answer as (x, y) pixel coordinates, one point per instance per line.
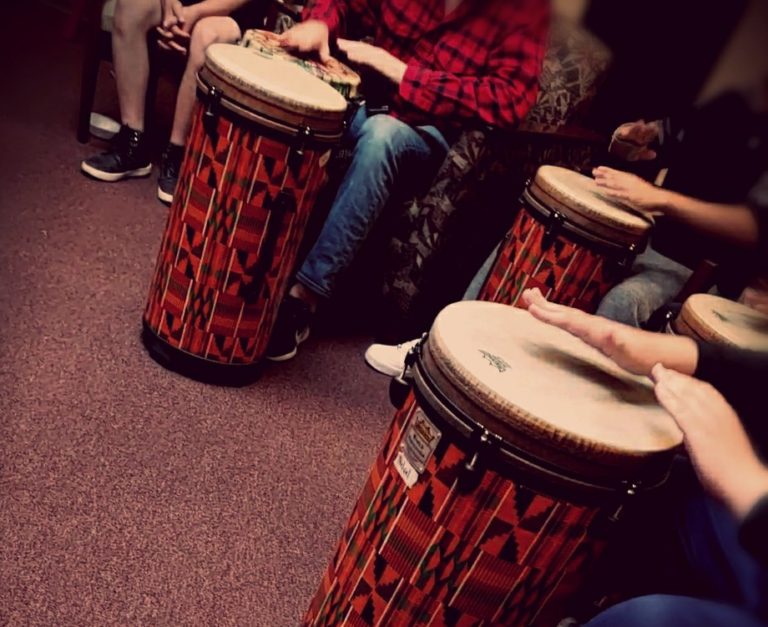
(164, 197)
(113, 177)
(300, 339)
(380, 368)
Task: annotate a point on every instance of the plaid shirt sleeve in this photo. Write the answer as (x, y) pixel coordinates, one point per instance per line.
(501, 97)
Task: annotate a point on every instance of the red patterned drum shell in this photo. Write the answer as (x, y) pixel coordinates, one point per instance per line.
(567, 240)
(467, 518)
(244, 197)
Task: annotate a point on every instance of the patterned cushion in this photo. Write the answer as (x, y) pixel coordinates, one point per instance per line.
(575, 63)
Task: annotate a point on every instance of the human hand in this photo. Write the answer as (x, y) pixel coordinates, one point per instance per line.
(630, 141)
(376, 58)
(635, 350)
(719, 448)
(176, 27)
(630, 190)
(756, 298)
(309, 36)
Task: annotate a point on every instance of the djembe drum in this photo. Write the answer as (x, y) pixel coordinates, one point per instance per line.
(568, 240)
(497, 481)
(717, 320)
(342, 78)
(254, 163)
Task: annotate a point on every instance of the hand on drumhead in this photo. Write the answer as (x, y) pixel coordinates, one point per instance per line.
(633, 349)
(715, 439)
(756, 298)
(630, 190)
(630, 141)
(309, 36)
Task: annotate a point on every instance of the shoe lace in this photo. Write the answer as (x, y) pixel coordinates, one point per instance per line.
(127, 142)
(171, 165)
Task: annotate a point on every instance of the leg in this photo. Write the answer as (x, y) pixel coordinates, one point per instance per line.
(473, 291)
(661, 610)
(386, 151)
(207, 31)
(656, 281)
(133, 19)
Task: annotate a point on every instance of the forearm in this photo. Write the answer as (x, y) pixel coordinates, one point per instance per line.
(735, 223)
(209, 8)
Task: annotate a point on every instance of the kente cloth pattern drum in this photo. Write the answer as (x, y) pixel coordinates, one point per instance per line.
(566, 272)
(500, 554)
(342, 78)
(231, 240)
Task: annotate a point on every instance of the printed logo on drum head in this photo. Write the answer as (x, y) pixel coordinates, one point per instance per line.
(495, 361)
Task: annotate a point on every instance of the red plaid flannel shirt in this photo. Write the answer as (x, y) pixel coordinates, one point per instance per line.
(480, 64)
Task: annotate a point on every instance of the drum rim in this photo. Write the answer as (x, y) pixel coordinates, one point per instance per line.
(276, 125)
(501, 452)
(269, 97)
(576, 206)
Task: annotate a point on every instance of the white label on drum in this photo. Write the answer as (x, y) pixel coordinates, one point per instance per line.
(405, 470)
(420, 441)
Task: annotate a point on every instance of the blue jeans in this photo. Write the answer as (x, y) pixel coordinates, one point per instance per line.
(387, 153)
(655, 281)
(735, 585)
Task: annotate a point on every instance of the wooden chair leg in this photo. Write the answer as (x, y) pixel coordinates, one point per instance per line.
(90, 73)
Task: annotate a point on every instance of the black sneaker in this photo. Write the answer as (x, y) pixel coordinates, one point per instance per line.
(170, 165)
(291, 329)
(127, 158)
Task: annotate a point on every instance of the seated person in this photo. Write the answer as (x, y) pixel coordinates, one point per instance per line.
(449, 63)
(188, 29)
(725, 433)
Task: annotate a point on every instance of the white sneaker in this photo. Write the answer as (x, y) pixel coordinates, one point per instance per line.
(389, 360)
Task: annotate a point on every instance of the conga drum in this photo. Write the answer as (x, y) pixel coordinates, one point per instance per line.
(568, 240)
(254, 163)
(342, 78)
(498, 480)
(717, 320)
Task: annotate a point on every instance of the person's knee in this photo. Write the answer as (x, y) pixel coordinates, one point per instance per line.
(135, 16)
(384, 133)
(210, 31)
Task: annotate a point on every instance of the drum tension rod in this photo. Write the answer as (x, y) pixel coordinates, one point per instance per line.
(400, 386)
(470, 476)
(211, 113)
(296, 155)
(554, 224)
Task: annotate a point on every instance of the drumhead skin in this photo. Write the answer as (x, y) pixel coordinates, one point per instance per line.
(721, 321)
(579, 199)
(548, 394)
(273, 88)
(342, 78)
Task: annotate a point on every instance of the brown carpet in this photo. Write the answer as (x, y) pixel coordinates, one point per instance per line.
(129, 495)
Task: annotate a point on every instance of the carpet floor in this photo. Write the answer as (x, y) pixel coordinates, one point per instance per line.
(130, 495)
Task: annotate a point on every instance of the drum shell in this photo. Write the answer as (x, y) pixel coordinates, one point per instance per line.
(503, 553)
(216, 288)
(568, 267)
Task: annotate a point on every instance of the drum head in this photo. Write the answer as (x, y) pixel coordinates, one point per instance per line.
(342, 78)
(275, 88)
(548, 394)
(579, 199)
(722, 321)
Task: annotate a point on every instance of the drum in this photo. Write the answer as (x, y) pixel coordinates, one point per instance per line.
(567, 240)
(254, 163)
(343, 79)
(709, 318)
(497, 481)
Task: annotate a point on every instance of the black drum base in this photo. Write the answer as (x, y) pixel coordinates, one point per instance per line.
(197, 368)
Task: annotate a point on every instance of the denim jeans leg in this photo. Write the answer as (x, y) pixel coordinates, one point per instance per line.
(655, 281)
(387, 153)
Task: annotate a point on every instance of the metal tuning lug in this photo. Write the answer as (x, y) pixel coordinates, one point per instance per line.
(554, 224)
(211, 113)
(472, 471)
(296, 154)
